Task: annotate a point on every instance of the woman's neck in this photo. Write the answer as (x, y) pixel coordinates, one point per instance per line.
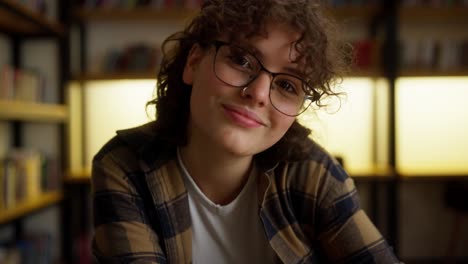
(219, 175)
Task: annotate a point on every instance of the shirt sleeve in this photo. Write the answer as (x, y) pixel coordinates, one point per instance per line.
(347, 235)
(123, 233)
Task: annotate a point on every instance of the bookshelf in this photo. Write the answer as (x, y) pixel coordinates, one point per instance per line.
(433, 14)
(176, 15)
(434, 49)
(179, 16)
(116, 76)
(78, 177)
(36, 112)
(422, 188)
(421, 72)
(440, 38)
(123, 15)
(349, 13)
(18, 18)
(33, 118)
(30, 206)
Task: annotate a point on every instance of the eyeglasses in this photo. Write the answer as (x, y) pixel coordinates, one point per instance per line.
(236, 66)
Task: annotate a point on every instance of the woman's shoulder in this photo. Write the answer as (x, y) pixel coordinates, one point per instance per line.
(135, 145)
(318, 178)
(322, 158)
(123, 141)
(317, 166)
(316, 154)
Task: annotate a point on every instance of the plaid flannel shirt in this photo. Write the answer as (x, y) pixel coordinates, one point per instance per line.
(310, 210)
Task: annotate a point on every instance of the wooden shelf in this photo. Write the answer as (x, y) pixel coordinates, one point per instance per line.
(433, 73)
(79, 177)
(353, 13)
(371, 73)
(117, 76)
(374, 173)
(135, 14)
(28, 207)
(154, 14)
(457, 14)
(15, 110)
(432, 177)
(18, 18)
(153, 74)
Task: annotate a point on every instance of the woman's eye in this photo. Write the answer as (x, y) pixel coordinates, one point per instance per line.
(240, 60)
(286, 86)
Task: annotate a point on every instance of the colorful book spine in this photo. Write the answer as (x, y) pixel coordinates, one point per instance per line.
(24, 175)
(21, 84)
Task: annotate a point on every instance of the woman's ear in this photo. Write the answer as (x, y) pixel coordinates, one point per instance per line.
(193, 60)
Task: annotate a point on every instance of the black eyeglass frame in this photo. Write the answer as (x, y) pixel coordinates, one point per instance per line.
(218, 44)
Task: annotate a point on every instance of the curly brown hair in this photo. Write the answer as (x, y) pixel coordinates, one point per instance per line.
(320, 52)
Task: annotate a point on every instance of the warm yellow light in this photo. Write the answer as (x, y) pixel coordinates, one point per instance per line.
(348, 131)
(432, 125)
(111, 106)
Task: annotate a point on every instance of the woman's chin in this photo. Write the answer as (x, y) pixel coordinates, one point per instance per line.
(242, 149)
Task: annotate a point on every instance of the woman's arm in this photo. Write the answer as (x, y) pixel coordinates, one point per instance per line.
(123, 232)
(346, 234)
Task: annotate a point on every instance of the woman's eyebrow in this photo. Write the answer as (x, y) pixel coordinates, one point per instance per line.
(260, 56)
(294, 71)
(252, 49)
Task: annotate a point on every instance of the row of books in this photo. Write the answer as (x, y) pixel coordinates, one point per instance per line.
(341, 3)
(435, 3)
(39, 6)
(21, 84)
(421, 54)
(128, 4)
(33, 249)
(133, 58)
(435, 54)
(424, 3)
(366, 53)
(24, 175)
(197, 3)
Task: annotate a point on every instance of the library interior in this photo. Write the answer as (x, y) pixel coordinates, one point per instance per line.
(74, 72)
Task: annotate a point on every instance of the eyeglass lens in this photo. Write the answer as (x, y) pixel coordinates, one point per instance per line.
(238, 67)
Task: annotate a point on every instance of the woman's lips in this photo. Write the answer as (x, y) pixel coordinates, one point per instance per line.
(243, 117)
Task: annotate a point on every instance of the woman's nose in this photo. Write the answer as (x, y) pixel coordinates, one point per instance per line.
(259, 89)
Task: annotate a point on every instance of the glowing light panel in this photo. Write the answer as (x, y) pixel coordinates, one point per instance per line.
(432, 125)
(112, 106)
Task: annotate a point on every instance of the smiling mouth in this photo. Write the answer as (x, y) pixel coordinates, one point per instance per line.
(242, 117)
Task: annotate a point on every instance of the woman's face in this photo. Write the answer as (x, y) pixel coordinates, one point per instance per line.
(221, 116)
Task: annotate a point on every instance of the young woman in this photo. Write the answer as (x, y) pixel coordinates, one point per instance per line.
(226, 174)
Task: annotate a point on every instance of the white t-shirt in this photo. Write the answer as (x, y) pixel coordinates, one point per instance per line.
(231, 233)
